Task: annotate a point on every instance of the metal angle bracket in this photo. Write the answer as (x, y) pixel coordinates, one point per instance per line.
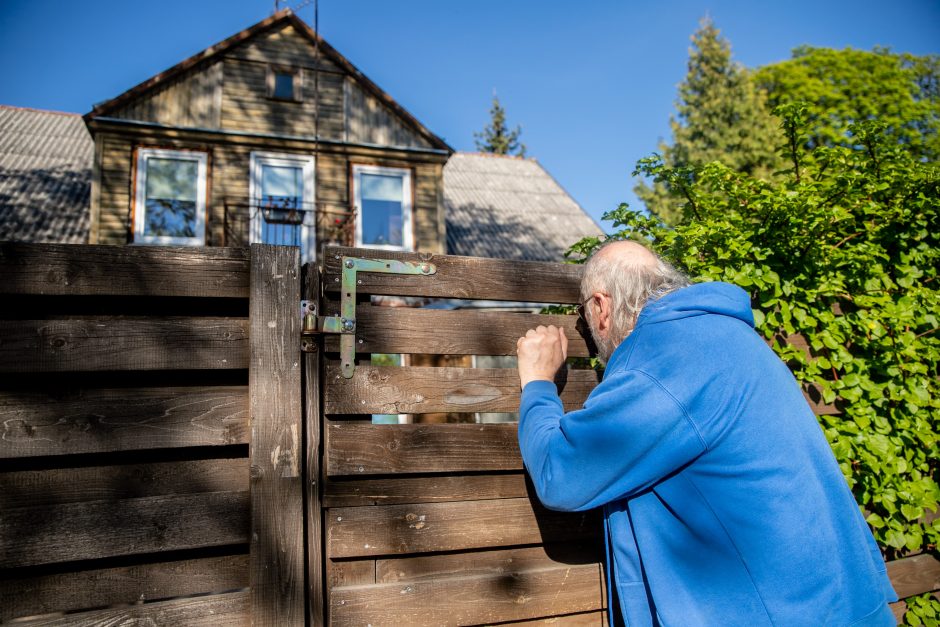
(345, 323)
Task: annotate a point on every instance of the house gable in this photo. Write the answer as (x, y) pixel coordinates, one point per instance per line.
(227, 87)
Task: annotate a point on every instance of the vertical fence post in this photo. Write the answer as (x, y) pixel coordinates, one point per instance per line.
(313, 428)
(276, 454)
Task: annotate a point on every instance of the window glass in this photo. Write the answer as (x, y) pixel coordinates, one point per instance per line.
(382, 199)
(171, 197)
(282, 200)
(282, 186)
(284, 85)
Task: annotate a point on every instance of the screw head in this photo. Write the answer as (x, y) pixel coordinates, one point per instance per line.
(425, 268)
(349, 263)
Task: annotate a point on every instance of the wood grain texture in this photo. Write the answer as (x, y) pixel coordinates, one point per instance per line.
(313, 427)
(391, 390)
(424, 527)
(112, 483)
(463, 277)
(123, 344)
(341, 573)
(457, 332)
(230, 609)
(96, 529)
(597, 618)
(61, 422)
(471, 600)
(68, 592)
(498, 562)
(72, 270)
(915, 575)
(354, 448)
(432, 489)
(276, 449)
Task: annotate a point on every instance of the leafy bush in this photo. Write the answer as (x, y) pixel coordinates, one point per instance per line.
(841, 248)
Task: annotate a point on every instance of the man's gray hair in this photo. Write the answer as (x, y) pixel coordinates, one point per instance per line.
(631, 286)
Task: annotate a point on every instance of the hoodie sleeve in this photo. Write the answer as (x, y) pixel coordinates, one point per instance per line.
(631, 433)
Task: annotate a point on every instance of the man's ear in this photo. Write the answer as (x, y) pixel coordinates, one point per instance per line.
(603, 313)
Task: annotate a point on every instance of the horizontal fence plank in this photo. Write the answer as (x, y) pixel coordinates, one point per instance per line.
(597, 618)
(53, 422)
(433, 489)
(456, 332)
(72, 270)
(498, 562)
(425, 527)
(78, 531)
(109, 483)
(471, 600)
(230, 609)
(123, 344)
(350, 572)
(354, 448)
(404, 390)
(462, 277)
(915, 575)
(68, 592)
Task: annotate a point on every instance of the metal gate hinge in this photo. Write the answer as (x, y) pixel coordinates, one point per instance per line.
(345, 323)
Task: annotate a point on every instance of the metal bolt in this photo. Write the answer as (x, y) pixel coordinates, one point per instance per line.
(425, 268)
(363, 402)
(361, 469)
(336, 256)
(350, 263)
(348, 325)
(336, 280)
(360, 341)
(358, 281)
(339, 519)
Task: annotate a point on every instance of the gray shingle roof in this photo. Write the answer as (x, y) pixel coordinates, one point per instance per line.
(45, 176)
(509, 208)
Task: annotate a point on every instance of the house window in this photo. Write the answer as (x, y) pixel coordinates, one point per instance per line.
(382, 198)
(284, 84)
(282, 201)
(170, 199)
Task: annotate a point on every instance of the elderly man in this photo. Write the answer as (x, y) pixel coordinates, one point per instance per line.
(723, 503)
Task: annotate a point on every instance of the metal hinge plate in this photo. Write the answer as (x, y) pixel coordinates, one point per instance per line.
(345, 323)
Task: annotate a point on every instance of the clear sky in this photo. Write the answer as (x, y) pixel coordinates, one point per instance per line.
(592, 83)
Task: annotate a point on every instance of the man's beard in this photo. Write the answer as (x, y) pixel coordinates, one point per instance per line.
(605, 345)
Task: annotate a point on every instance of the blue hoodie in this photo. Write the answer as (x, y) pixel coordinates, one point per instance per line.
(723, 502)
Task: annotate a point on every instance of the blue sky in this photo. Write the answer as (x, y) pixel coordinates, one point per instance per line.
(591, 83)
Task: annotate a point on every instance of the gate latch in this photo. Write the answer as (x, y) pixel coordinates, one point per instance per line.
(345, 323)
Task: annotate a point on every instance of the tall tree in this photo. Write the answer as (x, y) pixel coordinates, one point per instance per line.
(720, 116)
(496, 136)
(844, 87)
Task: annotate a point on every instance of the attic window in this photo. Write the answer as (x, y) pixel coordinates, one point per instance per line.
(284, 84)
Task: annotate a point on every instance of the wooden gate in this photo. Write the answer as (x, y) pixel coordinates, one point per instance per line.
(431, 523)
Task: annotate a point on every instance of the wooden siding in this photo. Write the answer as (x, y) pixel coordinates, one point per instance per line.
(193, 99)
(369, 121)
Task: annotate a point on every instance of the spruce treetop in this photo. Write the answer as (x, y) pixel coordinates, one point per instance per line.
(496, 137)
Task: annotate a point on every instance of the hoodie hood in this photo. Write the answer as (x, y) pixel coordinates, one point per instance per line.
(696, 300)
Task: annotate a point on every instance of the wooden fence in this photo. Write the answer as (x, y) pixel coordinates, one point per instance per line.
(132, 381)
(167, 453)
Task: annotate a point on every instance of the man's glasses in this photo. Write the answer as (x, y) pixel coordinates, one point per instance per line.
(581, 308)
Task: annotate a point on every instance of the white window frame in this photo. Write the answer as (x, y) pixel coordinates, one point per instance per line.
(140, 201)
(407, 234)
(308, 234)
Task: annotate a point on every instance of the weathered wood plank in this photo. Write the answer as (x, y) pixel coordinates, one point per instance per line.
(68, 592)
(101, 420)
(471, 600)
(459, 332)
(915, 575)
(463, 277)
(231, 608)
(585, 619)
(424, 527)
(111, 483)
(360, 449)
(63, 269)
(277, 514)
(432, 489)
(123, 344)
(96, 529)
(313, 421)
(349, 573)
(498, 562)
(390, 390)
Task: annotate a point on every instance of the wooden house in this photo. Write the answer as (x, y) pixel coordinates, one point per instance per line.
(269, 136)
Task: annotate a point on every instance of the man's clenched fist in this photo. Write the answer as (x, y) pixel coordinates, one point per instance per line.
(541, 351)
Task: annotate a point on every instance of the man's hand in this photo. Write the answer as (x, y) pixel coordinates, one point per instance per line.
(541, 351)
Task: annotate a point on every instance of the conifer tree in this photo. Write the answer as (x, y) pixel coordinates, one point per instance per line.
(721, 116)
(496, 137)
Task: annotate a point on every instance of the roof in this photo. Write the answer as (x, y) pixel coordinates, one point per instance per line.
(509, 208)
(45, 176)
(279, 19)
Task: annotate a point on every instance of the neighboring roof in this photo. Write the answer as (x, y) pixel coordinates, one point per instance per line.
(275, 21)
(45, 176)
(510, 208)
